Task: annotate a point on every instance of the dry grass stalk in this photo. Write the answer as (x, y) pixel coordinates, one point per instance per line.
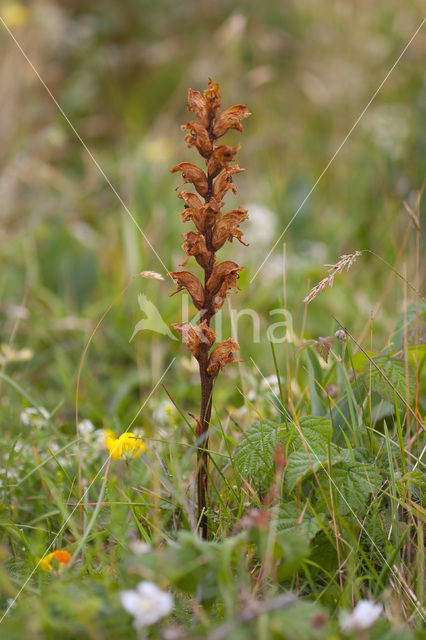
(345, 262)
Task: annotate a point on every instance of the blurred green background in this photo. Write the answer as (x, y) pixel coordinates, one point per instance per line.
(120, 72)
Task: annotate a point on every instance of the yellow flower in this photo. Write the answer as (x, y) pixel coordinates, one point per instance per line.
(14, 14)
(44, 563)
(128, 445)
(62, 556)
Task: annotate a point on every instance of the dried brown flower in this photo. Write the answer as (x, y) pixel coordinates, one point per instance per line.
(203, 216)
(213, 229)
(212, 98)
(192, 173)
(224, 182)
(230, 119)
(195, 245)
(220, 159)
(188, 281)
(198, 105)
(198, 136)
(227, 228)
(194, 337)
(222, 355)
(224, 273)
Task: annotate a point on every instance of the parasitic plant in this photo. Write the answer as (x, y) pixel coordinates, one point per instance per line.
(213, 229)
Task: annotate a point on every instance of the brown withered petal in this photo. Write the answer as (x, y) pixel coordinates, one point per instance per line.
(195, 245)
(212, 97)
(217, 302)
(192, 173)
(198, 105)
(198, 137)
(194, 337)
(191, 199)
(224, 272)
(230, 119)
(188, 281)
(229, 282)
(208, 215)
(219, 159)
(187, 214)
(203, 217)
(227, 228)
(222, 355)
(224, 182)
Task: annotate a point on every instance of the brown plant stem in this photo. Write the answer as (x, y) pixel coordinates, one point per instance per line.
(206, 383)
(203, 445)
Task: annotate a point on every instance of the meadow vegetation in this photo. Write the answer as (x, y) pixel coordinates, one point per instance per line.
(313, 526)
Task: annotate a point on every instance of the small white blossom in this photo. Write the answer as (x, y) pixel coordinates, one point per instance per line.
(262, 225)
(147, 603)
(362, 617)
(139, 547)
(85, 428)
(34, 417)
(270, 383)
(163, 413)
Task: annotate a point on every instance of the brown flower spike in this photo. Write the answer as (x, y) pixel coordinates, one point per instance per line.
(213, 229)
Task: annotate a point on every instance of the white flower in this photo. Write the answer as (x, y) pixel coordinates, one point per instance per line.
(85, 428)
(270, 383)
(261, 227)
(139, 547)
(34, 417)
(362, 617)
(163, 413)
(147, 603)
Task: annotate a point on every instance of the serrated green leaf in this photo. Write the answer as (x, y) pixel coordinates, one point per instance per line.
(254, 456)
(317, 433)
(288, 521)
(352, 483)
(402, 380)
(300, 465)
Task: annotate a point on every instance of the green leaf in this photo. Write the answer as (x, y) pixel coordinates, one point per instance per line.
(381, 631)
(288, 521)
(254, 456)
(394, 369)
(298, 622)
(352, 483)
(317, 433)
(294, 550)
(405, 319)
(300, 465)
